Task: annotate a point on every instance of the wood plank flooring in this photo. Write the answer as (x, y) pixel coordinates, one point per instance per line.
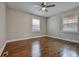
(42, 47)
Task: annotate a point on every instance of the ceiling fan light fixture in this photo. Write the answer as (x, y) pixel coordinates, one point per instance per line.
(44, 8)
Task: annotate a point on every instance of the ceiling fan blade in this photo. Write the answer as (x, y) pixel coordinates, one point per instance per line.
(46, 10)
(40, 9)
(51, 5)
(42, 3)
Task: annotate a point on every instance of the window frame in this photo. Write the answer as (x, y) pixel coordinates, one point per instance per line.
(76, 16)
(39, 25)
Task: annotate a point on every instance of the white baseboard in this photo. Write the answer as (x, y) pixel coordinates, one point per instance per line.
(12, 40)
(2, 48)
(65, 39)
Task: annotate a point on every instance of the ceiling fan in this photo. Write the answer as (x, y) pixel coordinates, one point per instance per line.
(45, 5)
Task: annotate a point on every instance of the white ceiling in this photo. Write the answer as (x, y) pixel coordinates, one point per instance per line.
(29, 7)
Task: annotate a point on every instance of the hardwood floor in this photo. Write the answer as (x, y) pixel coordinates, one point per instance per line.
(42, 47)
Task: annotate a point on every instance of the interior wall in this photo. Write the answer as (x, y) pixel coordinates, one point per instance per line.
(19, 25)
(2, 26)
(54, 26)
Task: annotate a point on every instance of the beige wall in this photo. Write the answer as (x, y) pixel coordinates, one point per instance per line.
(54, 26)
(19, 25)
(2, 26)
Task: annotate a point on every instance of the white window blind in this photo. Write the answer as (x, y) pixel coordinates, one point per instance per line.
(70, 23)
(35, 25)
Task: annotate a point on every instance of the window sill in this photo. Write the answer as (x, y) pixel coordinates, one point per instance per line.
(35, 31)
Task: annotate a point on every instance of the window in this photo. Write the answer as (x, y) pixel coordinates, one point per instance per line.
(70, 23)
(35, 25)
